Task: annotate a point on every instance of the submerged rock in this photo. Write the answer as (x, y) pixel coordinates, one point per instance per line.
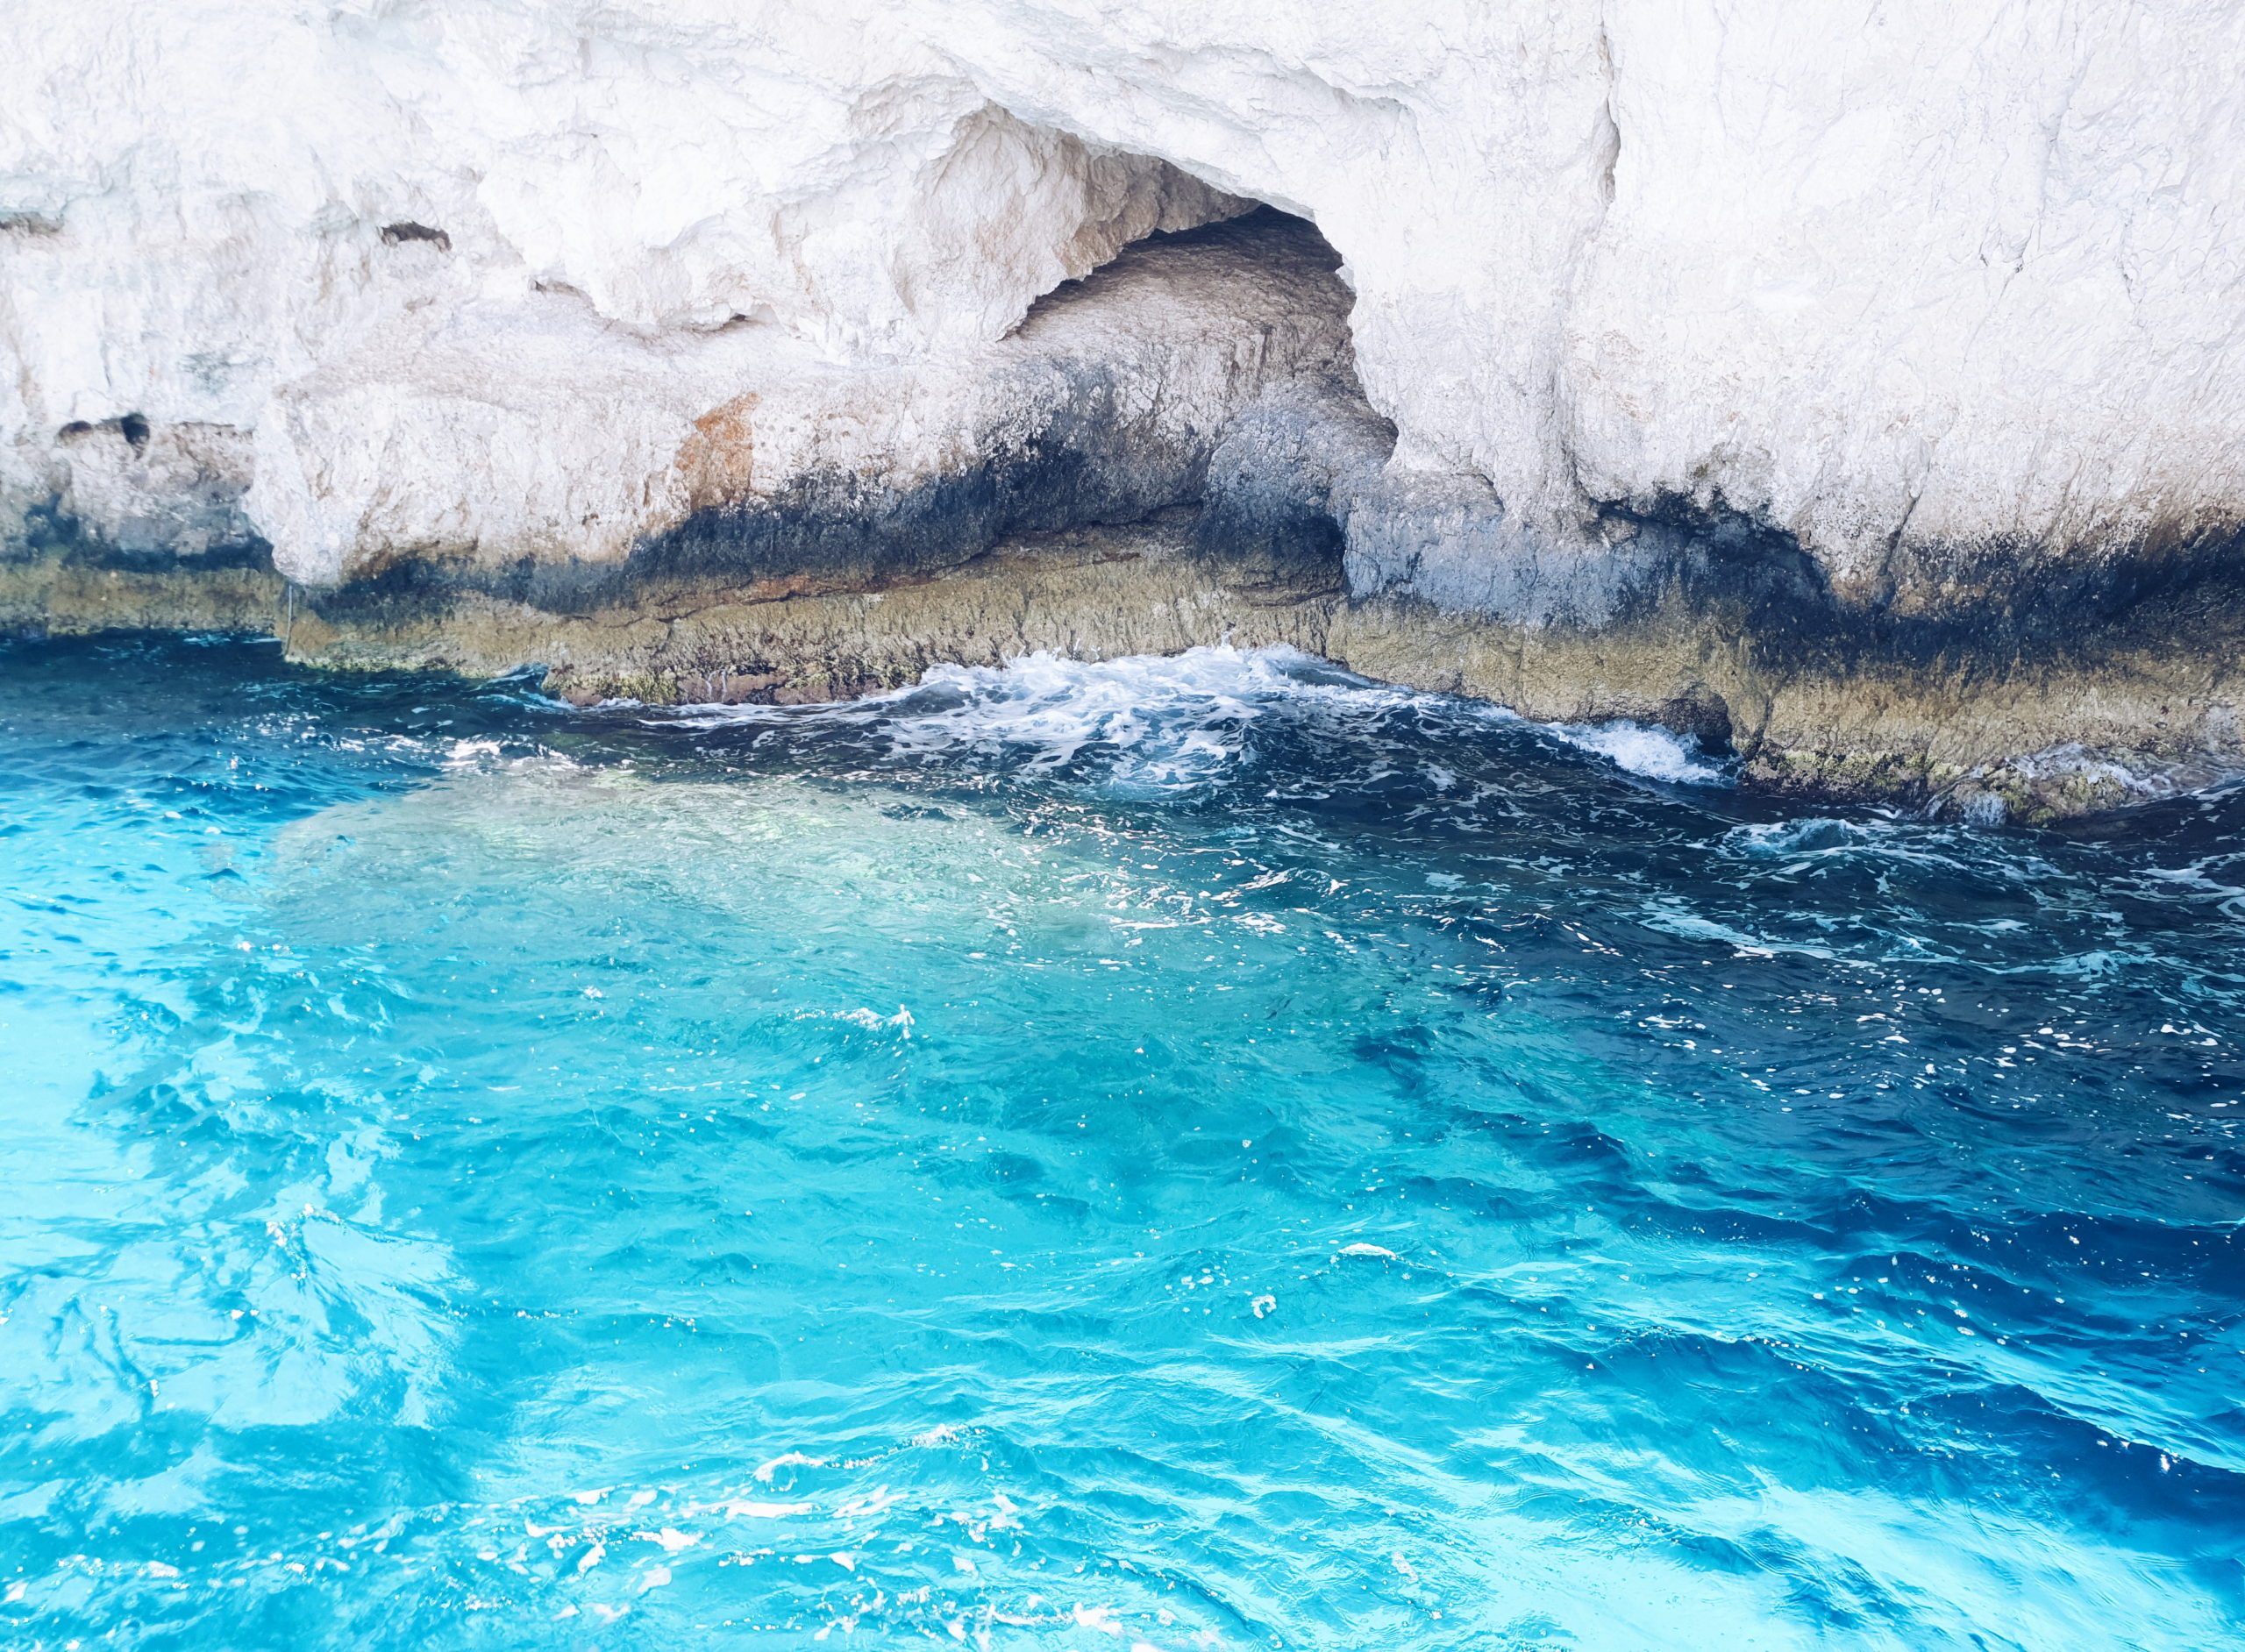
(1861, 394)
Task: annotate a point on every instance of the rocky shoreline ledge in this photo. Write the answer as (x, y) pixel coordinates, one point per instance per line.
(2071, 732)
(1174, 451)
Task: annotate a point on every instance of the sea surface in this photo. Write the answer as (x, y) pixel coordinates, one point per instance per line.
(1185, 1153)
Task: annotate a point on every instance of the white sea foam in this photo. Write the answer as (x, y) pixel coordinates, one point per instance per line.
(1168, 723)
(1656, 754)
(1816, 835)
(1172, 722)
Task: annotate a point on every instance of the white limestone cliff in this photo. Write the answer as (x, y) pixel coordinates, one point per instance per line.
(1906, 279)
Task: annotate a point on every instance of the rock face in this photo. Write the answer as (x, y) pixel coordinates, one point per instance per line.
(1862, 386)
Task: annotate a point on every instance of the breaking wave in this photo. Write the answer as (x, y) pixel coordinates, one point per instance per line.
(1173, 723)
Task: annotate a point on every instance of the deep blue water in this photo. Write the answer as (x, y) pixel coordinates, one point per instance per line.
(1176, 1154)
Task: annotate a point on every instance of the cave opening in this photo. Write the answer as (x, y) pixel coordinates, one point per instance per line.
(399, 233)
(1194, 395)
(1270, 433)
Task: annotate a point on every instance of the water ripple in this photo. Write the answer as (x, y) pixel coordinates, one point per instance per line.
(1168, 1153)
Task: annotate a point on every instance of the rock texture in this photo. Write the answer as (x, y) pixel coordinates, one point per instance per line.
(1863, 382)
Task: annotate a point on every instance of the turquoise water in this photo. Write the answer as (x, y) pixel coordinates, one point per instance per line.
(1178, 1153)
